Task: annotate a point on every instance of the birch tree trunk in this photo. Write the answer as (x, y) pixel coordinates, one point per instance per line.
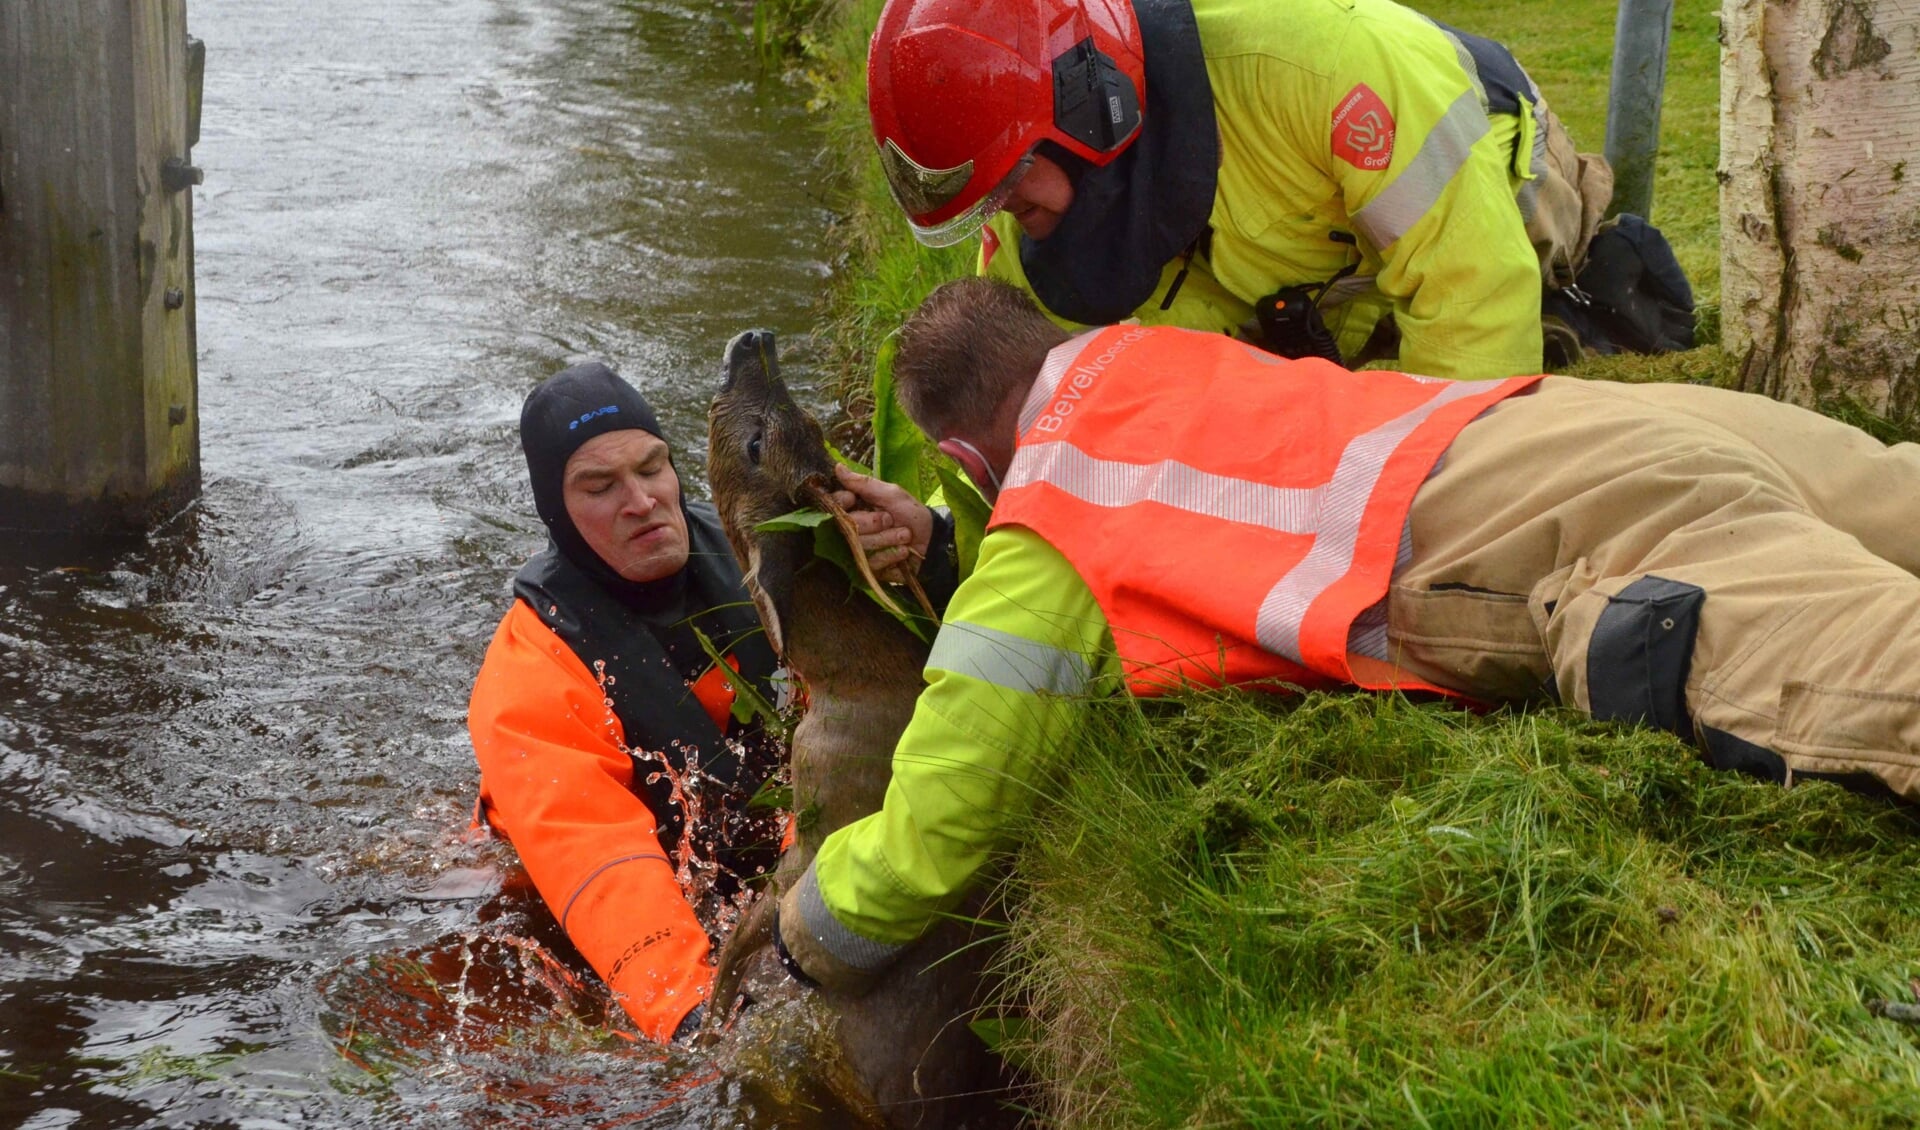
(1820, 200)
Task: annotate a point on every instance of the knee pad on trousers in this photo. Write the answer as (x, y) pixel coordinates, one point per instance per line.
(1638, 660)
(1640, 653)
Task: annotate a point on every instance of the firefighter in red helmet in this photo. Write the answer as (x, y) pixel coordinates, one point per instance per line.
(1342, 178)
(984, 90)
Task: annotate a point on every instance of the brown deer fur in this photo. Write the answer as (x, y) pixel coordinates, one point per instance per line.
(906, 1042)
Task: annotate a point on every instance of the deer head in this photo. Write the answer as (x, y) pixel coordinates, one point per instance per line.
(766, 456)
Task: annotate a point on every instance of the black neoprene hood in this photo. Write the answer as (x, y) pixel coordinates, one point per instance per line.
(559, 417)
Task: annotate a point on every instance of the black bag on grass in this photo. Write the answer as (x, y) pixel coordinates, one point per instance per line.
(1630, 297)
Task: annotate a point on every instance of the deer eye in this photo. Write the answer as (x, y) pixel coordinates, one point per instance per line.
(753, 449)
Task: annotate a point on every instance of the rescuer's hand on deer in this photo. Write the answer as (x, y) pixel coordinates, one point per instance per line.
(894, 526)
(808, 958)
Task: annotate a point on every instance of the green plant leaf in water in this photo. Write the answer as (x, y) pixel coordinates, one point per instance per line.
(164, 1065)
(748, 703)
(772, 794)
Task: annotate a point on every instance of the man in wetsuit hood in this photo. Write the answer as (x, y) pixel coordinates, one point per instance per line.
(604, 732)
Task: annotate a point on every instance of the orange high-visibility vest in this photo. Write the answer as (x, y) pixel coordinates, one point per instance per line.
(1231, 510)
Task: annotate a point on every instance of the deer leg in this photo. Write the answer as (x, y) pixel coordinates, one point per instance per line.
(753, 933)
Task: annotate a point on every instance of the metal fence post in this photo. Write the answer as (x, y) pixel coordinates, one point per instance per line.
(1640, 35)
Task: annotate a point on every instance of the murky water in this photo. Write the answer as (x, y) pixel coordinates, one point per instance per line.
(234, 773)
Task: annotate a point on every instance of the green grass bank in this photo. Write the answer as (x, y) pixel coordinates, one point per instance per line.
(1240, 910)
(1353, 911)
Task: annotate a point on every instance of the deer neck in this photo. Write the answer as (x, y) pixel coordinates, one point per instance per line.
(843, 645)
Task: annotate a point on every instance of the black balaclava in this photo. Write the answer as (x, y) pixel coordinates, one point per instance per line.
(559, 417)
(1150, 204)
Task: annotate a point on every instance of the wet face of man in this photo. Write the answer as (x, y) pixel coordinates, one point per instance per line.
(1040, 198)
(624, 498)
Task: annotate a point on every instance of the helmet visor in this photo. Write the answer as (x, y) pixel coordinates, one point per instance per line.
(948, 232)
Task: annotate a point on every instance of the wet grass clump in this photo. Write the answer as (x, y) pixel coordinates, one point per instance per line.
(1350, 910)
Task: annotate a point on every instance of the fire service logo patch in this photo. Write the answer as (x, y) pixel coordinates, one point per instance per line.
(1363, 130)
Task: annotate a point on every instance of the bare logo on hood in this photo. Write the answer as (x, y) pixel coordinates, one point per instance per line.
(572, 424)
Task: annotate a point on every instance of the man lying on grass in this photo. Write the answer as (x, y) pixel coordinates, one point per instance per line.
(1173, 508)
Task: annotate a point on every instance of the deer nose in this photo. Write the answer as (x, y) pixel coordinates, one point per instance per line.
(752, 354)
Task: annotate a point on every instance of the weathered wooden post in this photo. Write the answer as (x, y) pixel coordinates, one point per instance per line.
(1820, 201)
(1640, 33)
(99, 427)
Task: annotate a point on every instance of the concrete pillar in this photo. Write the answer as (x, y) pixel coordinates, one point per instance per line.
(99, 423)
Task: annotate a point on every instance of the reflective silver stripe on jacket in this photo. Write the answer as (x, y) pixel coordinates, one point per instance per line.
(1460, 52)
(846, 946)
(1058, 358)
(1277, 626)
(1353, 288)
(1112, 484)
(1006, 660)
(1368, 634)
(1413, 194)
(1529, 195)
(1330, 512)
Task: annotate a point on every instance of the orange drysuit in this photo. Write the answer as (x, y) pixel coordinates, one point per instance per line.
(574, 755)
(556, 778)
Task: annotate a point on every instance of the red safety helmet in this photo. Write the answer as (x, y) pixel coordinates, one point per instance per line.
(960, 92)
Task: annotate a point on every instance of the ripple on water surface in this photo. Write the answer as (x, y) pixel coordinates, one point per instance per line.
(235, 884)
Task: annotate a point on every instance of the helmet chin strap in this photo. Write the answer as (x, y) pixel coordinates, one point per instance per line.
(991, 488)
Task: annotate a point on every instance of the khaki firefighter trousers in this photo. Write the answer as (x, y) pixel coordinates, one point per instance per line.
(1740, 571)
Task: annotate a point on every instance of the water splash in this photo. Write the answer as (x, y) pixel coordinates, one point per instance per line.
(707, 819)
(502, 1031)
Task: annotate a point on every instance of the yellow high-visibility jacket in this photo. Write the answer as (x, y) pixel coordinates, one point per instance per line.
(1125, 437)
(1023, 641)
(1437, 227)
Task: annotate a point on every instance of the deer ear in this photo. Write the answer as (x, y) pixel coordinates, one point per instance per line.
(762, 602)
